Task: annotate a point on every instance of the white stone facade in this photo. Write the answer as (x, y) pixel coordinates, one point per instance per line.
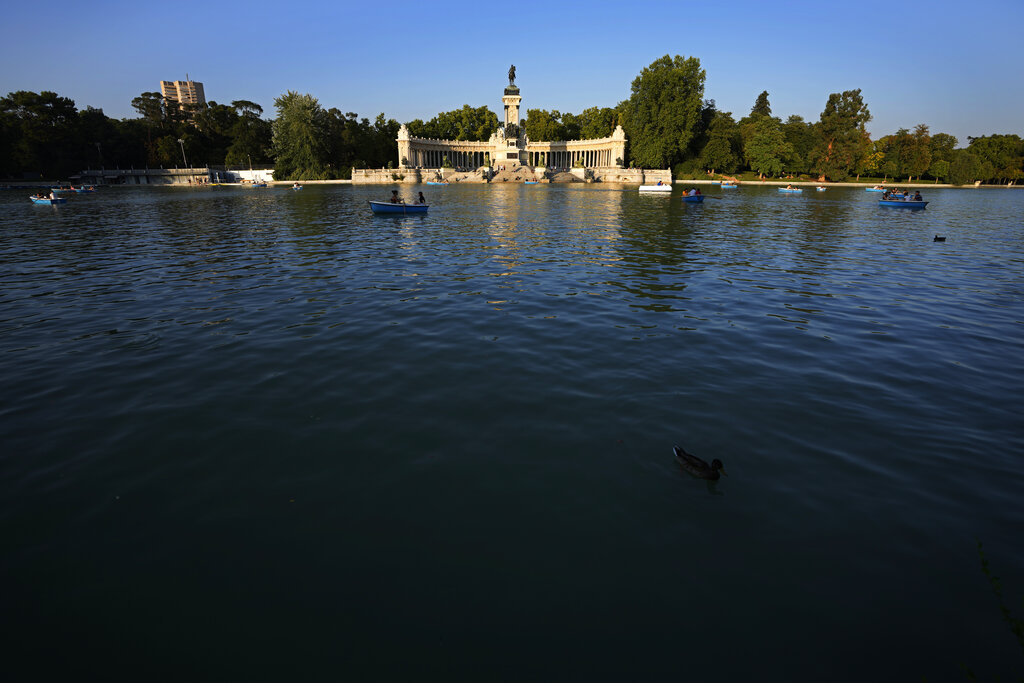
(509, 145)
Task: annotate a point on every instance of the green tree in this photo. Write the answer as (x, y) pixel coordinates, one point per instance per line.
(572, 127)
(251, 136)
(843, 137)
(942, 146)
(41, 129)
(467, 123)
(544, 126)
(766, 150)
(597, 122)
(802, 138)
(919, 154)
(663, 111)
(761, 106)
(722, 151)
(1001, 156)
(964, 168)
(300, 138)
(939, 169)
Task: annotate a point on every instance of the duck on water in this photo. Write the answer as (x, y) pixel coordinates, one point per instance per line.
(697, 467)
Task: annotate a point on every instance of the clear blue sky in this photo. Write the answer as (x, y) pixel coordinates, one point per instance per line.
(951, 65)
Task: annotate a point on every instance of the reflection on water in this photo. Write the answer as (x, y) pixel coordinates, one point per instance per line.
(451, 429)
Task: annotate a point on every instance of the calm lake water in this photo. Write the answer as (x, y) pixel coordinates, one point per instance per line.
(264, 434)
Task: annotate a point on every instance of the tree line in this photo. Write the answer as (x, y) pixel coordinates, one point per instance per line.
(44, 135)
(669, 124)
(667, 120)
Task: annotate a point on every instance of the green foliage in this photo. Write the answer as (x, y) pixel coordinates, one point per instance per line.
(467, 123)
(300, 138)
(767, 149)
(942, 146)
(722, 151)
(663, 111)
(597, 123)
(761, 106)
(803, 138)
(251, 136)
(543, 125)
(939, 169)
(40, 134)
(1001, 156)
(964, 168)
(843, 140)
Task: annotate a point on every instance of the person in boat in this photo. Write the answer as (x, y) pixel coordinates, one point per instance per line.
(659, 183)
(692, 192)
(917, 196)
(394, 197)
(789, 187)
(53, 195)
(421, 199)
(696, 192)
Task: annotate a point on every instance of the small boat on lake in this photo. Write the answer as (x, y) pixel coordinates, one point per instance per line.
(389, 207)
(902, 203)
(664, 187)
(87, 189)
(821, 189)
(693, 199)
(876, 188)
(529, 182)
(791, 190)
(729, 186)
(47, 200)
(435, 182)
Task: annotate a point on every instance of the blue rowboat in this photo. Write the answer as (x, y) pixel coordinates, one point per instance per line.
(821, 189)
(874, 189)
(901, 204)
(38, 200)
(434, 182)
(259, 185)
(729, 187)
(790, 190)
(388, 207)
(83, 190)
(694, 199)
(529, 182)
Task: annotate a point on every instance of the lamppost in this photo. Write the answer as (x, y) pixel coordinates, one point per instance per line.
(182, 143)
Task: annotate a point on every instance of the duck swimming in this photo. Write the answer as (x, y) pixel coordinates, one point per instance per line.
(697, 467)
(939, 239)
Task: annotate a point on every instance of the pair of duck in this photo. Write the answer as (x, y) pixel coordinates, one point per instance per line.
(697, 467)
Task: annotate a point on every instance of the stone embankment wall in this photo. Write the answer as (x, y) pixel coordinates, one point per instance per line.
(637, 176)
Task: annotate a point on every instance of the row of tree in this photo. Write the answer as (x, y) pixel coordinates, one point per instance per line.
(45, 135)
(667, 120)
(669, 124)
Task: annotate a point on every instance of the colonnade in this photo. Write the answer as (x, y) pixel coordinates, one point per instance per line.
(434, 158)
(589, 158)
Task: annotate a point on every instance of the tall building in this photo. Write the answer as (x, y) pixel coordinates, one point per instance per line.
(183, 92)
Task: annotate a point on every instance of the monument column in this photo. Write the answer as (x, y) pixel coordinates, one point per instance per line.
(515, 139)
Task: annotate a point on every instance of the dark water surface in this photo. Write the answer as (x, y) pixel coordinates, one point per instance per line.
(265, 435)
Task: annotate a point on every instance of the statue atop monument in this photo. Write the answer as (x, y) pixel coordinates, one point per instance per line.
(512, 75)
